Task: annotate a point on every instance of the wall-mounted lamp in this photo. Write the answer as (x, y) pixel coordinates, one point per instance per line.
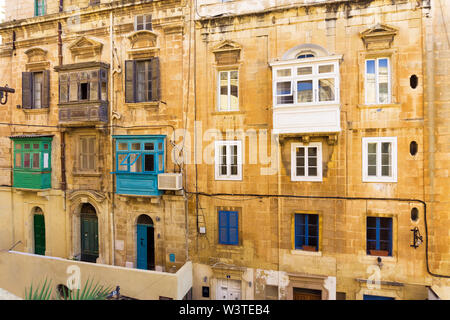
(4, 94)
(158, 219)
(417, 238)
(249, 284)
(379, 262)
(205, 279)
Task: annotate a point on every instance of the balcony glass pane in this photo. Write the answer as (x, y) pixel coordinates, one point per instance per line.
(305, 91)
(326, 90)
(284, 73)
(326, 69)
(383, 81)
(370, 82)
(304, 71)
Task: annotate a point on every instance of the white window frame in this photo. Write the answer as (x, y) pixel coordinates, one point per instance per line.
(377, 88)
(294, 176)
(379, 177)
(144, 17)
(228, 107)
(228, 176)
(315, 76)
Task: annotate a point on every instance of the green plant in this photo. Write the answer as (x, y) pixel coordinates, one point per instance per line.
(40, 293)
(90, 291)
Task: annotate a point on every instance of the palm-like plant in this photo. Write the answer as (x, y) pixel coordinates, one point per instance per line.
(90, 291)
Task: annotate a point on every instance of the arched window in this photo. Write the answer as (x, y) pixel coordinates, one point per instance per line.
(305, 55)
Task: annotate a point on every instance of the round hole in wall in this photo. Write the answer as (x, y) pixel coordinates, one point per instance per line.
(414, 214)
(413, 148)
(413, 81)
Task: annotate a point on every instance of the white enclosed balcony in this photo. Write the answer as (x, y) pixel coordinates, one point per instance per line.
(306, 86)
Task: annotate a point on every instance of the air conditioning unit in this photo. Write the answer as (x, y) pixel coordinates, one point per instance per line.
(170, 181)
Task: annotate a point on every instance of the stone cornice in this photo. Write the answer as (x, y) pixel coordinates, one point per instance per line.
(101, 8)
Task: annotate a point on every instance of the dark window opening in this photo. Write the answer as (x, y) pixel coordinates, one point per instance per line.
(149, 160)
(413, 81)
(413, 148)
(83, 91)
(414, 214)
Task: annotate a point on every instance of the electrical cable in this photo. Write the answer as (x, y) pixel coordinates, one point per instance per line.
(213, 195)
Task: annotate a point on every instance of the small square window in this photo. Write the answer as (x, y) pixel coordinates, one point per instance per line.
(228, 160)
(380, 159)
(379, 236)
(306, 228)
(306, 162)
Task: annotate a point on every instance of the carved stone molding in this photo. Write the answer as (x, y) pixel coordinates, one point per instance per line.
(227, 53)
(37, 59)
(84, 48)
(84, 195)
(379, 36)
(143, 44)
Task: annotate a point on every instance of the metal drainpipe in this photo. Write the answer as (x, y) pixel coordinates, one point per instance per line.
(111, 119)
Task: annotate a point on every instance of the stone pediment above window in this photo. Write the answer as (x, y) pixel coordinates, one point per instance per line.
(85, 48)
(37, 59)
(379, 36)
(227, 53)
(143, 44)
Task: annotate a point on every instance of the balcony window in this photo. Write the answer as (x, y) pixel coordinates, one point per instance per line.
(306, 83)
(139, 160)
(32, 162)
(80, 86)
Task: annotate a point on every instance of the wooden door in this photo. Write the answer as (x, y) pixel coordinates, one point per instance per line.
(306, 294)
(145, 247)
(89, 238)
(39, 234)
(228, 289)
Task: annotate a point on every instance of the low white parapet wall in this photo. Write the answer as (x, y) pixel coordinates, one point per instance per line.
(19, 270)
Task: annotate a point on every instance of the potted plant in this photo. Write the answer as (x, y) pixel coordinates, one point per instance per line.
(309, 248)
(382, 253)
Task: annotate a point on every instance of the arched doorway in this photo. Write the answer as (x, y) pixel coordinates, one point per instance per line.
(89, 233)
(39, 231)
(145, 243)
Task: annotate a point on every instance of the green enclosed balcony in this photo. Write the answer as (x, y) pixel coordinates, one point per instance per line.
(32, 161)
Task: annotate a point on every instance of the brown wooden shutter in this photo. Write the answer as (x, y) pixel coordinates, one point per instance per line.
(92, 154)
(27, 90)
(130, 81)
(156, 80)
(83, 154)
(46, 90)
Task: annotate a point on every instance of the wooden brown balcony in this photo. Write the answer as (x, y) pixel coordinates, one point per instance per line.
(81, 114)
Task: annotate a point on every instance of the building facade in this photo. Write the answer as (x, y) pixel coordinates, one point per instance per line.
(289, 149)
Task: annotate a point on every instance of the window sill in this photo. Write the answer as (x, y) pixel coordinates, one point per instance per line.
(299, 252)
(307, 105)
(227, 113)
(143, 105)
(36, 111)
(379, 106)
(295, 179)
(373, 259)
(365, 180)
(228, 179)
(86, 174)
